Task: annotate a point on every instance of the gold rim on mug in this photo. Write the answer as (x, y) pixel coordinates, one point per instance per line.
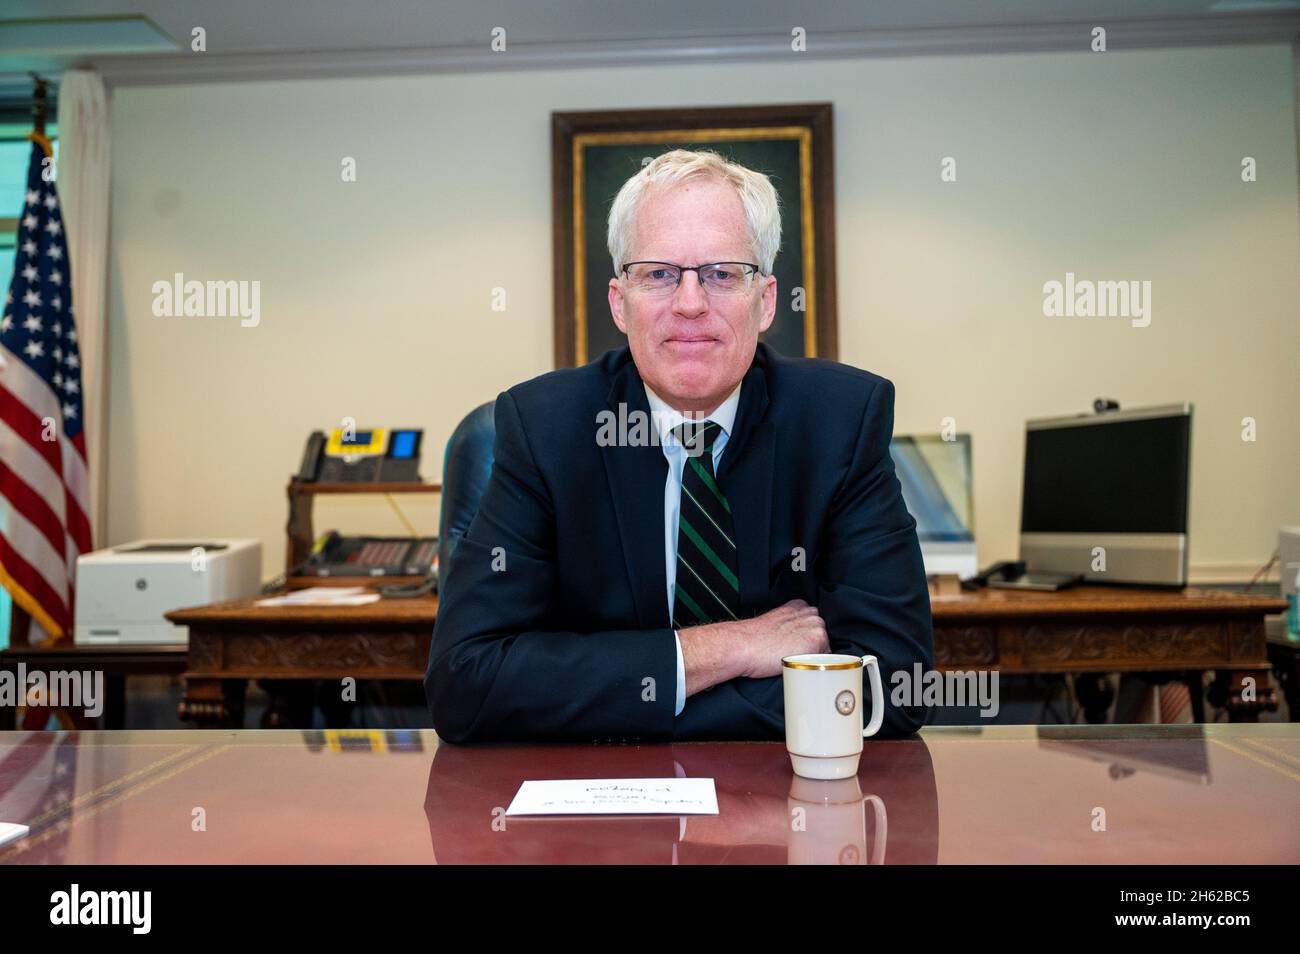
(854, 664)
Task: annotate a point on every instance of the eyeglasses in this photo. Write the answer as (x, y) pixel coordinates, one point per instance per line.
(662, 278)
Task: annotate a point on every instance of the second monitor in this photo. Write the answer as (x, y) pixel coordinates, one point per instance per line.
(935, 475)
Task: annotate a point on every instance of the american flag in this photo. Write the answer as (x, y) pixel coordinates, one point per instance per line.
(43, 482)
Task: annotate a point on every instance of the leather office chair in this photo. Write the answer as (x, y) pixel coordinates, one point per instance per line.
(466, 467)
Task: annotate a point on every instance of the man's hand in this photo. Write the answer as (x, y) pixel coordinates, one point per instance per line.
(788, 630)
(717, 652)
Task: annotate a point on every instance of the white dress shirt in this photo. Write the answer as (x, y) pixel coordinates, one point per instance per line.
(665, 419)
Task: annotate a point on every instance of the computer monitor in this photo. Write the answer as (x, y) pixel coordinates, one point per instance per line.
(936, 478)
(1106, 495)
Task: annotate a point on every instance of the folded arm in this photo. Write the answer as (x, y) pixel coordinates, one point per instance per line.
(494, 674)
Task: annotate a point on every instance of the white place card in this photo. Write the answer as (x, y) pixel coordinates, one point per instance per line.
(324, 596)
(616, 796)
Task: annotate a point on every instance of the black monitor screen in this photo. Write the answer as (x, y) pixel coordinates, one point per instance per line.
(1122, 476)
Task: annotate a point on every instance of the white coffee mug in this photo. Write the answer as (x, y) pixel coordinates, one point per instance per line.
(823, 712)
(828, 824)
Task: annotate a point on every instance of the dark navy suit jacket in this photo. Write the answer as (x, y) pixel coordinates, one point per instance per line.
(553, 619)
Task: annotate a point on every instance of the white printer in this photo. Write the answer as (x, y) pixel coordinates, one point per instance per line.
(122, 592)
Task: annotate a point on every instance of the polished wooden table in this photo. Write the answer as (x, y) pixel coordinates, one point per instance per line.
(1104, 629)
(1213, 794)
(233, 642)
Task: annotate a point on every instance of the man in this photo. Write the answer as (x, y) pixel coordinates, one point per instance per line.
(625, 582)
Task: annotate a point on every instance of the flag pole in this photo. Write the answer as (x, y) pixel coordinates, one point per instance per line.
(40, 113)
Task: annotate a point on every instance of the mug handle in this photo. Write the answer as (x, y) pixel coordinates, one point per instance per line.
(882, 830)
(877, 696)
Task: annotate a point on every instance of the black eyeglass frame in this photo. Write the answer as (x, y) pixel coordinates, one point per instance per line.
(683, 269)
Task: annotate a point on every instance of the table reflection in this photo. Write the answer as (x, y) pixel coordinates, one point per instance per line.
(887, 814)
(1225, 794)
(1181, 754)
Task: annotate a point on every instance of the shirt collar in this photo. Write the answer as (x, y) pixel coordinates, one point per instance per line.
(666, 418)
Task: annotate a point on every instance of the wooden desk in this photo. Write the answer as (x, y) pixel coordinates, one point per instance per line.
(235, 641)
(1173, 794)
(1090, 629)
(1101, 629)
(116, 662)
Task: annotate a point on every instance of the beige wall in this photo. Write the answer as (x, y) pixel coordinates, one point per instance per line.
(376, 294)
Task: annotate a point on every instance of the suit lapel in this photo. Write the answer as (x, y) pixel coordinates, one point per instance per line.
(636, 482)
(745, 476)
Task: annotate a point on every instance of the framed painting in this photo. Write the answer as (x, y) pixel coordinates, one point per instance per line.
(594, 153)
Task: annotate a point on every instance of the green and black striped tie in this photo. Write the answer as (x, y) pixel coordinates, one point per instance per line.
(708, 586)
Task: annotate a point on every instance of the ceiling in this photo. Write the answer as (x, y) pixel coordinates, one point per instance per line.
(49, 35)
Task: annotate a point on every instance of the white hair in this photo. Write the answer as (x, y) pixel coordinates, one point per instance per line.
(759, 198)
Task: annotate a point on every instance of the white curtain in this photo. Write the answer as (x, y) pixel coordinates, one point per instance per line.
(83, 184)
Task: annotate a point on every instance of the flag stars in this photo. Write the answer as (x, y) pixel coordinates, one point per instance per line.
(37, 322)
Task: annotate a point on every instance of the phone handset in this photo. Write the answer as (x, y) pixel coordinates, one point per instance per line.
(309, 470)
(1002, 570)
